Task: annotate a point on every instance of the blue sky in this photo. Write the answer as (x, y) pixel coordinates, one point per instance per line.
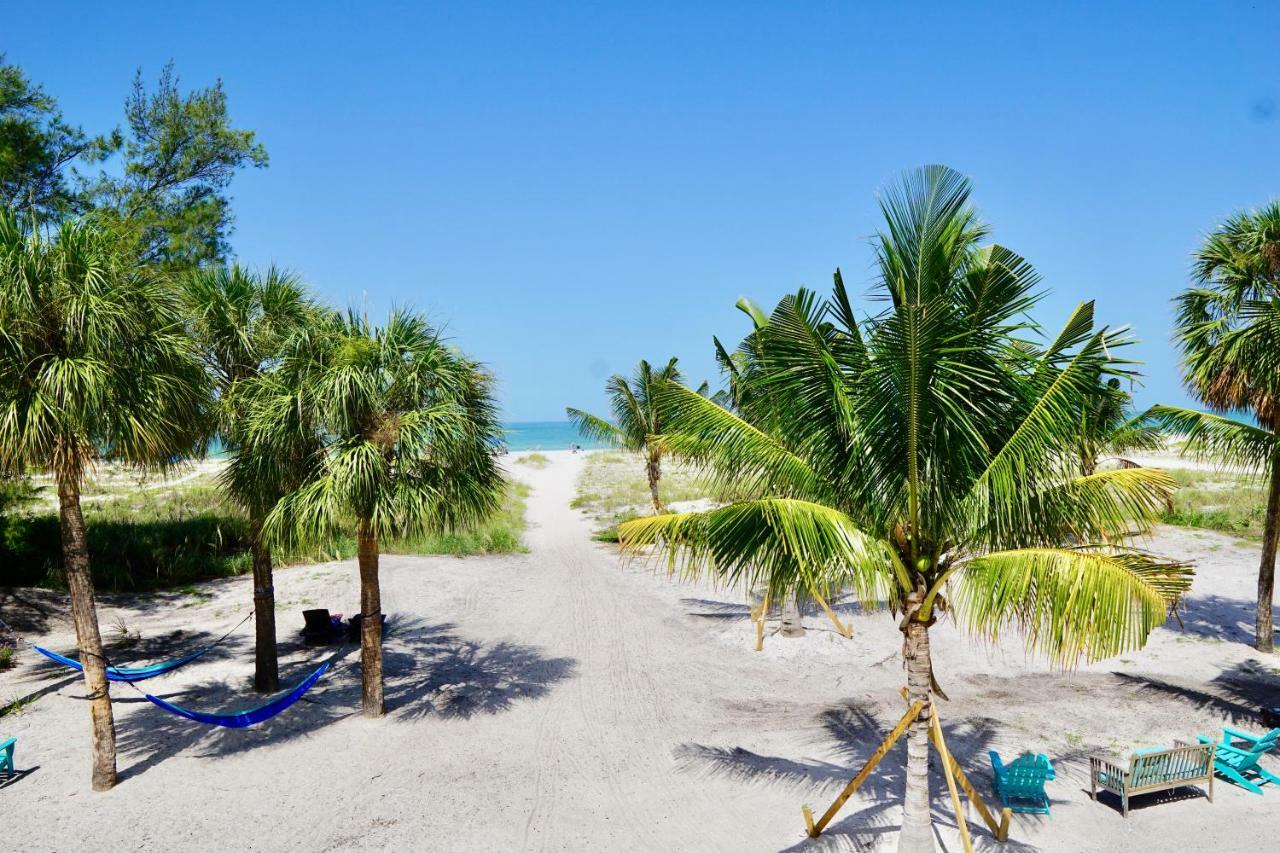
(572, 187)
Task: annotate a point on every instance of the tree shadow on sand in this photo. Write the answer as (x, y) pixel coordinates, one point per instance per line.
(1238, 693)
(1216, 617)
(428, 671)
(853, 732)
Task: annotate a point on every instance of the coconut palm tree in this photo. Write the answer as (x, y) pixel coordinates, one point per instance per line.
(242, 321)
(94, 365)
(405, 424)
(1228, 328)
(925, 456)
(635, 418)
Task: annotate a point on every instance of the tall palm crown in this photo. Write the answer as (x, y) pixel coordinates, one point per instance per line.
(636, 417)
(94, 357)
(927, 455)
(94, 365)
(1228, 328)
(405, 427)
(242, 321)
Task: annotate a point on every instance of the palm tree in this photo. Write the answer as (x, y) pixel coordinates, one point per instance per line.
(406, 426)
(94, 366)
(1228, 328)
(925, 456)
(635, 418)
(242, 321)
(1110, 428)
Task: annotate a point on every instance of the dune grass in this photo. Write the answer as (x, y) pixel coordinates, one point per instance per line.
(612, 488)
(171, 536)
(1219, 500)
(534, 460)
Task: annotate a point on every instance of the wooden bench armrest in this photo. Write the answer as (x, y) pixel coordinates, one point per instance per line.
(1105, 762)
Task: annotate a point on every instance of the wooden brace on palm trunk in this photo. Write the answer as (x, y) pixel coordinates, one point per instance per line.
(951, 770)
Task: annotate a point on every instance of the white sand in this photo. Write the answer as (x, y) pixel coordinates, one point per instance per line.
(557, 700)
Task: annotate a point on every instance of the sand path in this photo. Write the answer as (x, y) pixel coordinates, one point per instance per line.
(558, 700)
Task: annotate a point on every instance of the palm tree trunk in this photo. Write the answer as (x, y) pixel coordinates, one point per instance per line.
(266, 668)
(75, 560)
(917, 829)
(1267, 567)
(653, 467)
(792, 620)
(370, 622)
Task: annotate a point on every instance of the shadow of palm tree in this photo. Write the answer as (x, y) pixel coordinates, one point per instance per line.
(853, 732)
(428, 670)
(1216, 617)
(1238, 693)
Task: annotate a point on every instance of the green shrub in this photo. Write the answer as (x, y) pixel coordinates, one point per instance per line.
(160, 540)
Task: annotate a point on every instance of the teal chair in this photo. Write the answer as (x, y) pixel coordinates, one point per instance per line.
(1235, 758)
(6, 755)
(1020, 784)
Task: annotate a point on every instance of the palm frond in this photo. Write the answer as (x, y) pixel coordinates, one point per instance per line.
(1219, 439)
(1085, 603)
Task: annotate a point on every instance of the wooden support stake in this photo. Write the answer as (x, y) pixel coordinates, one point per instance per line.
(941, 745)
(840, 626)
(1001, 830)
(764, 612)
(815, 829)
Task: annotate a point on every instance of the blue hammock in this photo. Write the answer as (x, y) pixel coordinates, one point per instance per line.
(242, 719)
(141, 673)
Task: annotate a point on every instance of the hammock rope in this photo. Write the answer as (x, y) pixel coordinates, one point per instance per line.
(128, 675)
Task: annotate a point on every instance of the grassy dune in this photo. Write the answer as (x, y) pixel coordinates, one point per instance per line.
(154, 536)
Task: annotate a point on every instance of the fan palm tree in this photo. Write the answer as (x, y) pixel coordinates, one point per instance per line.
(405, 424)
(94, 365)
(635, 418)
(1228, 328)
(925, 456)
(242, 322)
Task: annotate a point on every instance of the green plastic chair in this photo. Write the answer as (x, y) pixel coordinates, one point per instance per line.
(1020, 784)
(1236, 757)
(6, 755)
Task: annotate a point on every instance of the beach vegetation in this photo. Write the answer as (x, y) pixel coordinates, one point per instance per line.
(1228, 330)
(923, 453)
(405, 424)
(635, 419)
(95, 365)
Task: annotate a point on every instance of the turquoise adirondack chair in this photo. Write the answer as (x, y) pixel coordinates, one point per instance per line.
(1020, 784)
(6, 755)
(1236, 758)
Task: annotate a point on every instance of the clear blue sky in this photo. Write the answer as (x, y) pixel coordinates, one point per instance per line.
(571, 188)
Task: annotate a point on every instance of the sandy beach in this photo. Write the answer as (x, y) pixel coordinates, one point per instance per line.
(563, 700)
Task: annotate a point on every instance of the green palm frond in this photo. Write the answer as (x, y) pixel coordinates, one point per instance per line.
(735, 453)
(1085, 603)
(1219, 439)
(778, 543)
(592, 427)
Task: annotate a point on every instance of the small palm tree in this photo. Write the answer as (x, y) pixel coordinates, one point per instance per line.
(1110, 428)
(635, 418)
(94, 365)
(242, 322)
(1228, 328)
(926, 456)
(405, 425)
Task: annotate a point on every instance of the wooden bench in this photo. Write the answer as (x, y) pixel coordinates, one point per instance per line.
(1150, 771)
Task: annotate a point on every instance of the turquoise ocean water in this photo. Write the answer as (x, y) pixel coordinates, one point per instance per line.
(545, 435)
(521, 435)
